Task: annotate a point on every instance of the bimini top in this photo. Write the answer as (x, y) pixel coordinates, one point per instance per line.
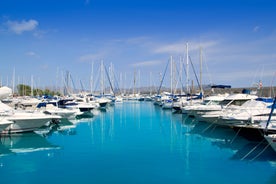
(221, 86)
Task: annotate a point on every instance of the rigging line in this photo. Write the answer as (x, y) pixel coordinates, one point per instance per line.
(208, 72)
(74, 86)
(117, 84)
(109, 79)
(158, 92)
(235, 136)
(271, 91)
(194, 72)
(260, 152)
(82, 87)
(253, 149)
(180, 77)
(97, 79)
(211, 124)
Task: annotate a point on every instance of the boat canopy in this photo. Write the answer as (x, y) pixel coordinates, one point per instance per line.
(267, 100)
(221, 86)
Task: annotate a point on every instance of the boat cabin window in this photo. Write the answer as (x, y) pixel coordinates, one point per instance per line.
(225, 102)
(205, 102)
(214, 102)
(238, 102)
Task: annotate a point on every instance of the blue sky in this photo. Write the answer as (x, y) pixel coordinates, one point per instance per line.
(46, 38)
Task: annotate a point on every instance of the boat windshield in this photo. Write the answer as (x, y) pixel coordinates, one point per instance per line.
(214, 102)
(225, 102)
(205, 102)
(239, 102)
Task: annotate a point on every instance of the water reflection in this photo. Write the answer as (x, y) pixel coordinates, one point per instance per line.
(67, 127)
(144, 144)
(226, 138)
(24, 143)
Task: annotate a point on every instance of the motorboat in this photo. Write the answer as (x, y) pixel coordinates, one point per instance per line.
(23, 121)
(230, 103)
(4, 124)
(271, 139)
(252, 111)
(27, 121)
(210, 103)
(53, 109)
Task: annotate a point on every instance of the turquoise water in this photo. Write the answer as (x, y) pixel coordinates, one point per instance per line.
(135, 142)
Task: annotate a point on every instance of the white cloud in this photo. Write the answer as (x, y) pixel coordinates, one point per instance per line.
(146, 63)
(44, 66)
(137, 40)
(171, 48)
(91, 57)
(22, 26)
(256, 28)
(32, 54)
(179, 48)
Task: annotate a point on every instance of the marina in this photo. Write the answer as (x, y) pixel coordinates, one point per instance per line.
(138, 92)
(135, 142)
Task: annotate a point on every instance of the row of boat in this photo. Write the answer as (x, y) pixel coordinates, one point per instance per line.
(27, 114)
(243, 112)
(248, 114)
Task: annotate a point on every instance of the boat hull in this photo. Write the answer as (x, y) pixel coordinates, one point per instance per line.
(27, 124)
(4, 125)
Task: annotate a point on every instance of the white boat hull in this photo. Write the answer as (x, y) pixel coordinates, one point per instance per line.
(271, 139)
(27, 122)
(4, 124)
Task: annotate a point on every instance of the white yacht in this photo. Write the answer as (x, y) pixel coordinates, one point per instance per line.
(23, 121)
(82, 106)
(191, 100)
(230, 103)
(252, 111)
(63, 112)
(210, 103)
(271, 139)
(4, 124)
(260, 129)
(27, 121)
(102, 102)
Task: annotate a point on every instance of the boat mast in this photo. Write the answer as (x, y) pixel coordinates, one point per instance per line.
(171, 74)
(139, 82)
(102, 79)
(32, 85)
(91, 77)
(150, 83)
(134, 83)
(200, 74)
(187, 69)
(13, 80)
(180, 74)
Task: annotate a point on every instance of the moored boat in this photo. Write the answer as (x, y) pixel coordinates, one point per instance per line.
(27, 121)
